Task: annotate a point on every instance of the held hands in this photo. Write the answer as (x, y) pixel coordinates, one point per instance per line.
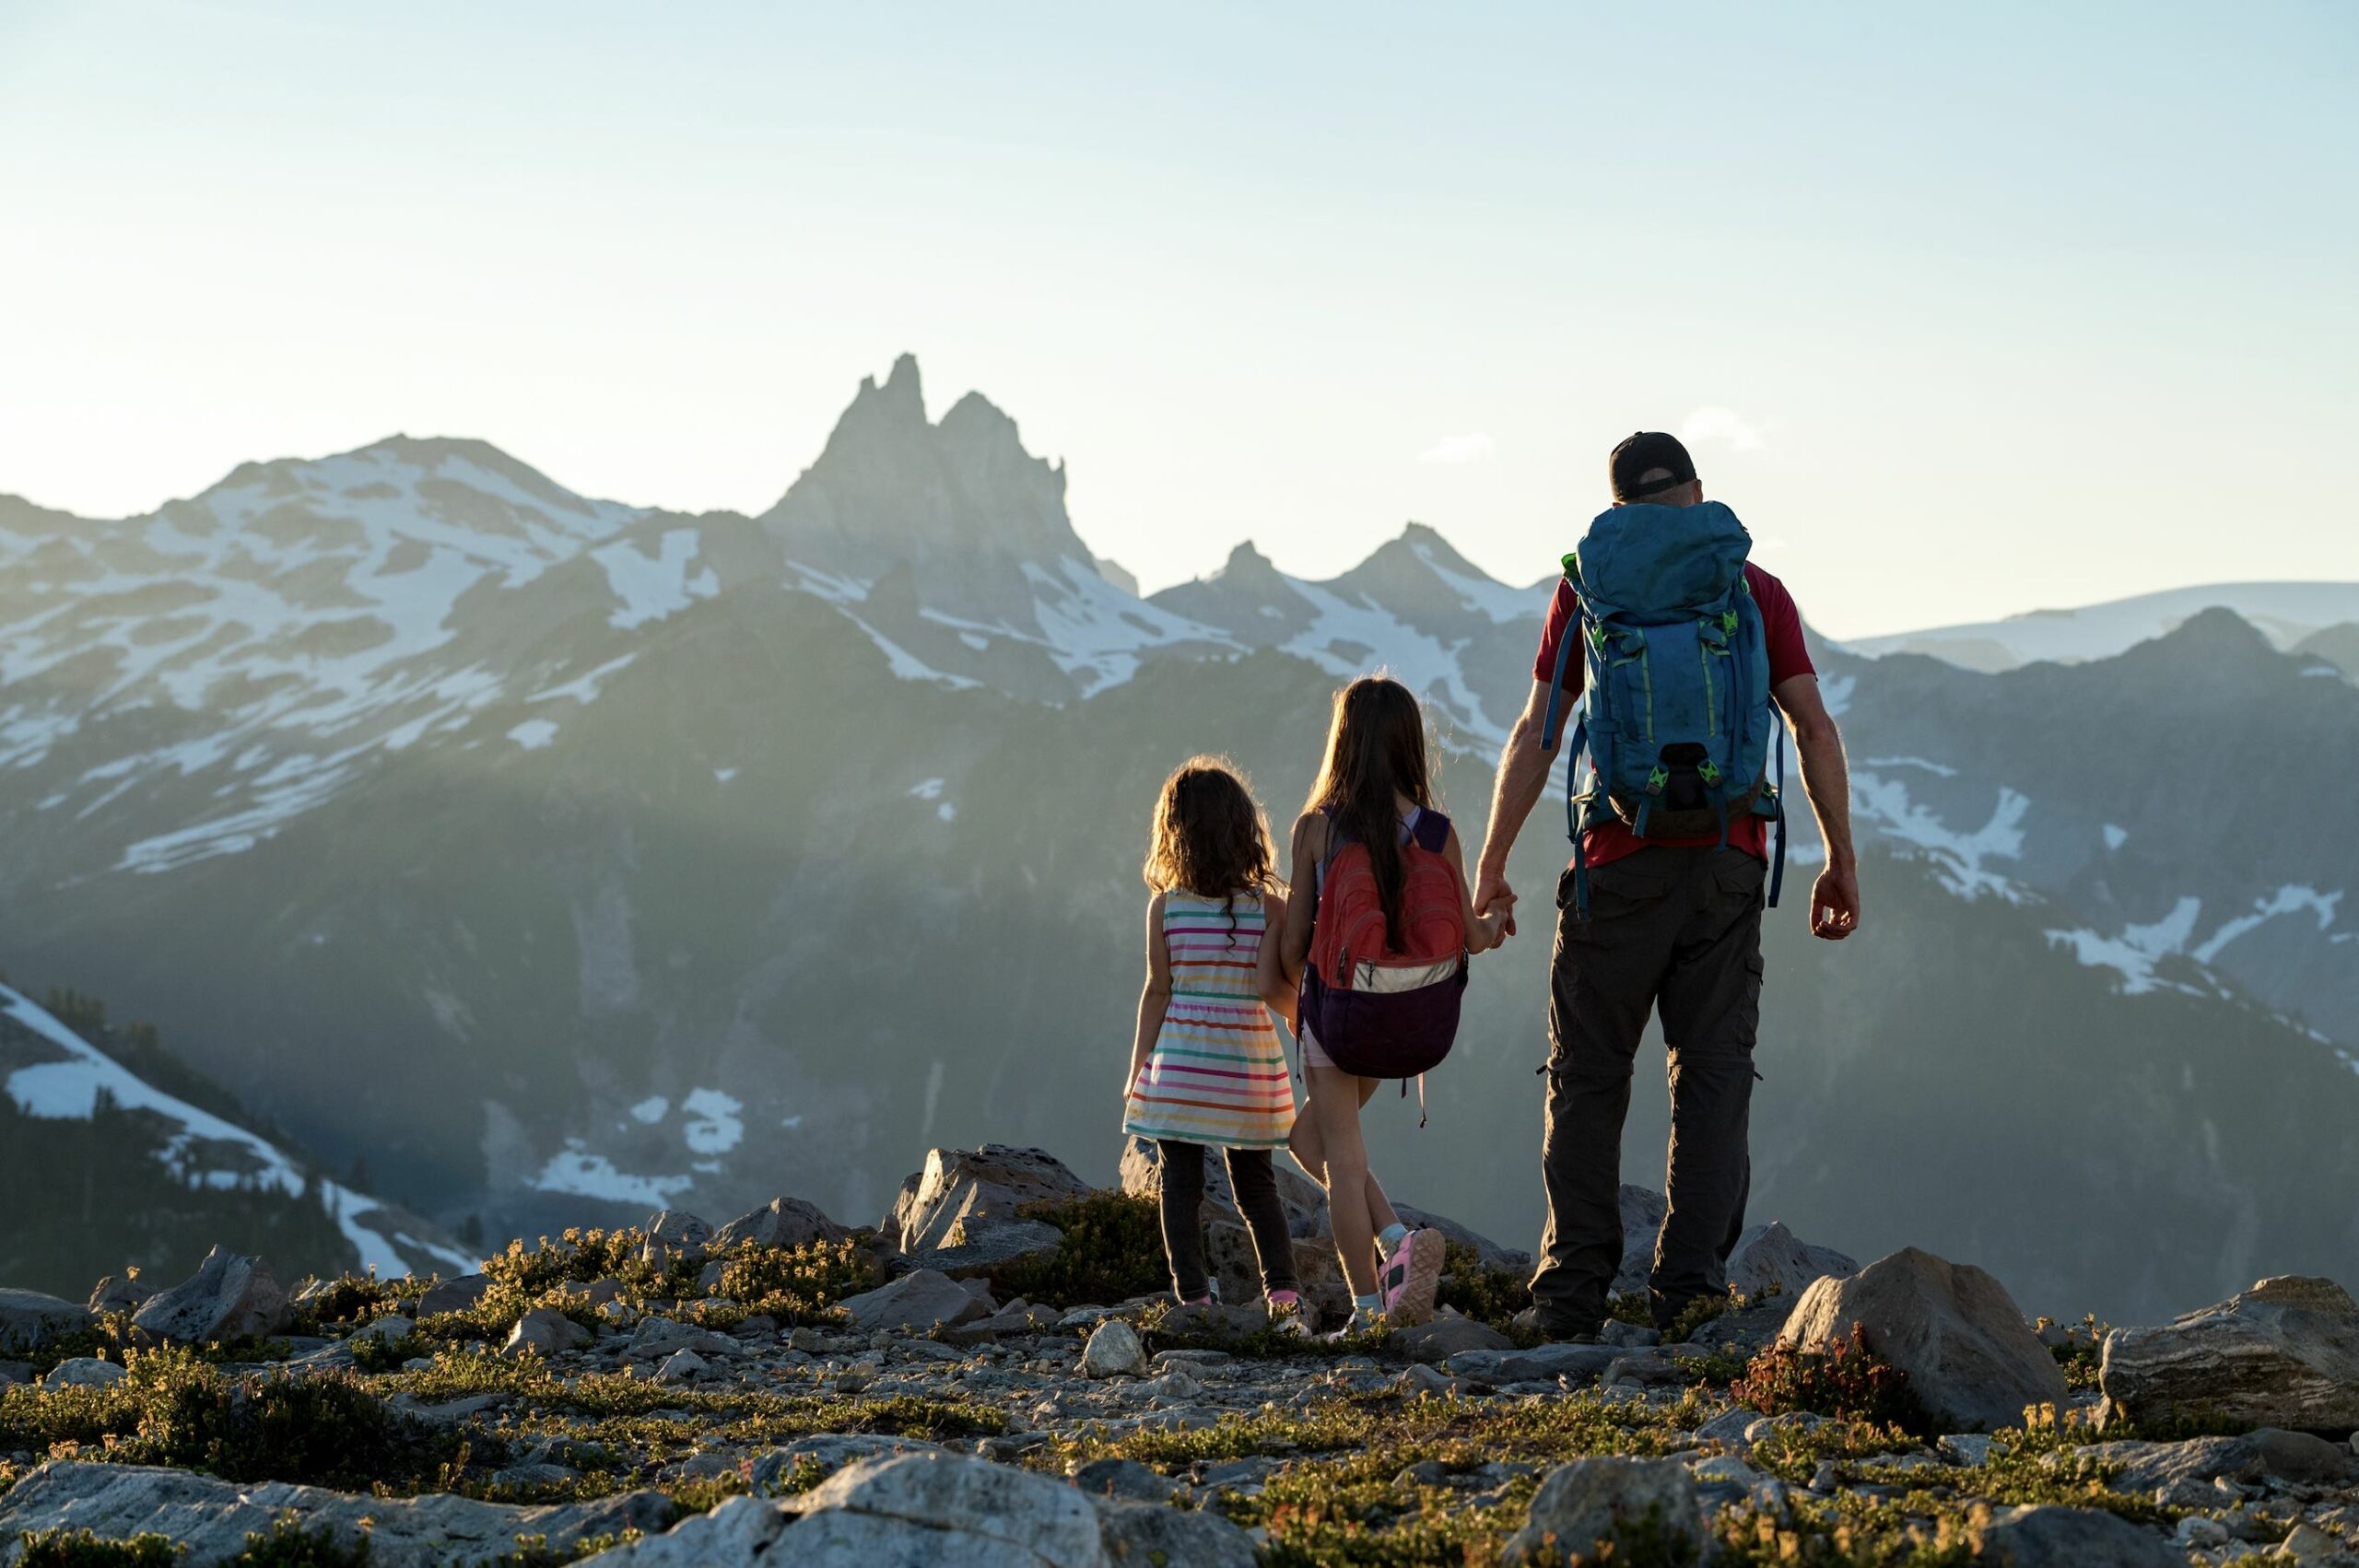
(1834, 904)
(1494, 904)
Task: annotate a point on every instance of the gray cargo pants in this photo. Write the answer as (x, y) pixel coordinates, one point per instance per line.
(1678, 927)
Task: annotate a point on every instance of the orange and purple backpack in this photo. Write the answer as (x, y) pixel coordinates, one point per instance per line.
(1379, 1011)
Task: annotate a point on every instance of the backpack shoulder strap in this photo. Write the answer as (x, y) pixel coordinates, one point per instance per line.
(1556, 682)
(1432, 831)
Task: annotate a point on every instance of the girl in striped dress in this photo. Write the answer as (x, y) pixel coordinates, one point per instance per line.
(1207, 1068)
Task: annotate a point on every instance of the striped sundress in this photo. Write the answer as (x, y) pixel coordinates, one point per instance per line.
(1216, 1073)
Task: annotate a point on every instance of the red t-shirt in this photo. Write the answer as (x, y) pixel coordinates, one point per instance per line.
(1781, 629)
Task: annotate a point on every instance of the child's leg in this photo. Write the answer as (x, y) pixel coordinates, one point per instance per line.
(1335, 1100)
(1311, 1153)
(1266, 1217)
(1183, 1205)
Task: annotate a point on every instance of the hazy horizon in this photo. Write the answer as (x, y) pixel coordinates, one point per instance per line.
(1966, 315)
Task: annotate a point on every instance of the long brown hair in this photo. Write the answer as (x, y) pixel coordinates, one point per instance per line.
(1210, 837)
(1376, 752)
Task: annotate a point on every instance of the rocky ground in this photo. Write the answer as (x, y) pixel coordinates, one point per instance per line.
(991, 1376)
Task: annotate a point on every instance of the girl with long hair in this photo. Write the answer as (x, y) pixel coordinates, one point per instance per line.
(1373, 784)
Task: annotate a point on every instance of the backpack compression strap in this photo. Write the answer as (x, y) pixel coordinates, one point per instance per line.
(1778, 865)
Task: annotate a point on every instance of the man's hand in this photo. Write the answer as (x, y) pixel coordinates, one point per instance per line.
(1834, 904)
(1491, 887)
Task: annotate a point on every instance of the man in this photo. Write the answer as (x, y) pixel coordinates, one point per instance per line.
(1674, 924)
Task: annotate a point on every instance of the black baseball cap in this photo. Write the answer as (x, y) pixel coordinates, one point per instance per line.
(1640, 454)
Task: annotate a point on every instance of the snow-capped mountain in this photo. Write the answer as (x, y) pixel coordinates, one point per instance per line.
(2285, 613)
(569, 858)
(53, 1074)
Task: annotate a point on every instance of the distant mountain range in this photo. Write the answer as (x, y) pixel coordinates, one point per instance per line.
(567, 858)
(2295, 616)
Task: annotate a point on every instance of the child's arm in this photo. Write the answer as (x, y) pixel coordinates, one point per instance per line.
(1269, 972)
(1154, 997)
(1483, 932)
(1293, 944)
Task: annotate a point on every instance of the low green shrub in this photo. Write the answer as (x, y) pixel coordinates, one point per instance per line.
(1848, 1381)
(290, 1544)
(80, 1549)
(175, 1409)
(1488, 1296)
(1112, 1251)
(796, 1285)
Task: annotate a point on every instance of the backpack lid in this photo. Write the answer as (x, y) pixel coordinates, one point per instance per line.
(1646, 560)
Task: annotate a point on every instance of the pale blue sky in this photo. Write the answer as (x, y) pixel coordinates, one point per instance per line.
(1972, 309)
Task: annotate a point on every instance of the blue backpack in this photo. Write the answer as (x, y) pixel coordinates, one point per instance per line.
(1675, 710)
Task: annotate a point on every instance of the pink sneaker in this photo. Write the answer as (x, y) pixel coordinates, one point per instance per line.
(1411, 1275)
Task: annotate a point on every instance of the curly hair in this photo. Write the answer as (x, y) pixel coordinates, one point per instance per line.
(1210, 837)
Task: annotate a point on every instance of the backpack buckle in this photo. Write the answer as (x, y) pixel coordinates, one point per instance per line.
(1657, 780)
(1709, 771)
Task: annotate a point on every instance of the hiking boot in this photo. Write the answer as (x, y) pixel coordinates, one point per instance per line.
(1409, 1278)
(1555, 1328)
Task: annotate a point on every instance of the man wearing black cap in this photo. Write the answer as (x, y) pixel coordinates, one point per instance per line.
(1673, 924)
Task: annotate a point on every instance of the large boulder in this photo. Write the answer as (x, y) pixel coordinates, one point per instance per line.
(1970, 1356)
(1583, 1509)
(992, 1181)
(1772, 1257)
(228, 1297)
(919, 1300)
(30, 1319)
(2048, 1537)
(782, 1222)
(2282, 1354)
(210, 1520)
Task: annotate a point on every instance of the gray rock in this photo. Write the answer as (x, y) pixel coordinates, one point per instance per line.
(122, 1293)
(462, 1294)
(992, 1181)
(1543, 1363)
(83, 1372)
(1965, 1448)
(30, 1319)
(1445, 1337)
(2290, 1456)
(1113, 1351)
(545, 1331)
(386, 1329)
(211, 1518)
(228, 1297)
(1642, 1211)
(1153, 1534)
(682, 1366)
(1969, 1354)
(2307, 1543)
(1772, 1256)
(2282, 1354)
(933, 1508)
(1590, 1502)
(1617, 1332)
(2073, 1537)
(738, 1533)
(678, 1231)
(1748, 1331)
(782, 1222)
(975, 1245)
(918, 1300)
(1729, 1426)
(831, 1451)
(1124, 1478)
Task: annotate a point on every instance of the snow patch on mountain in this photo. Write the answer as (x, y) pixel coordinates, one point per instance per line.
(652, 588)
(1962, 856)
(1349, 638)
(1502, 603)
(2289, 900)
(69, 1087)
(575, 1170)
(2283, 612)
(1095, 631)
(2139, 948)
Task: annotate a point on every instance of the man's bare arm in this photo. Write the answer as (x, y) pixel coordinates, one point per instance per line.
(1523, 774)
(1826, 780)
